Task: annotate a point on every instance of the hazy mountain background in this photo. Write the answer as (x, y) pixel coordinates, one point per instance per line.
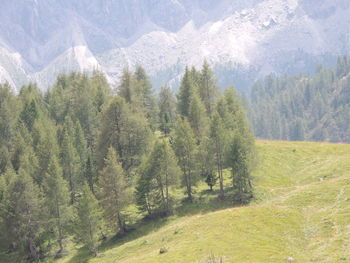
(243, 40)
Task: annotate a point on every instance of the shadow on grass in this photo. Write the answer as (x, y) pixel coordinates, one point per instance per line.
(141, 228)
(204, 201)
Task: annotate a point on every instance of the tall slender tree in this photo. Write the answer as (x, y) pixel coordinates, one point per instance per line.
(219, 137)
(159, 173)
(57, 201)
(22, 216)
(126, 86)
(184, 144)
(197, 117)
(208, 89)
(88, 220)
(114, 192)
(240, 160)
(186, 90)
(167, 110)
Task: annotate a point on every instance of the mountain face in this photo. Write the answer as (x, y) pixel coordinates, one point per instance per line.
(242, 39)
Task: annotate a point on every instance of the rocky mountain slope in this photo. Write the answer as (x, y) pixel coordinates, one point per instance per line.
(250, 38)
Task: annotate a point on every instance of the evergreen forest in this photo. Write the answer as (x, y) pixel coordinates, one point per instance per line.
(84, 161)
(314, 108)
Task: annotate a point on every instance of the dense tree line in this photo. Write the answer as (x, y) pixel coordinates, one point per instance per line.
(74, 159)
(304, 107)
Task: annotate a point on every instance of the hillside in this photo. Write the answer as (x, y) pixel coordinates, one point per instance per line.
(302, 211)
(304, 107)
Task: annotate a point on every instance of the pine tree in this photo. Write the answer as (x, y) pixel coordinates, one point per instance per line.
(126, 86)
(57, 201)
(45, 146)
(206, 162)
(5, 159)
(197, 117)
(22, 216)
(8, 115)
(89, 220)
(101, 89)
(146, 98)
(113, 191)
(29, 114)
(70, 160)
(80, 145)
(127, 132)
(167, 110)
(186, 90)
(185, 149)
(208, 89)
(159, 172)
(219, 137)
(90, 172)
(240, 160)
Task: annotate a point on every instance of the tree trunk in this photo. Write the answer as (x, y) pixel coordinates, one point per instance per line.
(59, 226)
(121, 224)
(221, 179)
(167, 191)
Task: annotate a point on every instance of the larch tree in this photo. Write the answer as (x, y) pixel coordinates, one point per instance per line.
(126, 86)
(114, 193)
(207, 162)
(187, 88)
(126, 131)
(57, 200)
(184, 144)
(146, 97)
(88, 220)
(219, 137)
(70, 160)
(240, 161)
(159, 172)
(167, 110)
(208, 89)
(22, 216)
(197, 117)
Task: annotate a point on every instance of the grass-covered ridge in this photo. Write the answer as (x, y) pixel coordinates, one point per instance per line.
(302, 210)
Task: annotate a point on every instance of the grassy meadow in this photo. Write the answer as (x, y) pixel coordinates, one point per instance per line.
(301, 210)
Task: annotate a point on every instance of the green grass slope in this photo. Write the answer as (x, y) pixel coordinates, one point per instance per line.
(302, 210)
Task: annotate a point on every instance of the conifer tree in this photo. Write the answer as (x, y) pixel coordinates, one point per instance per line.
(80, 145)
(185, 149)
(186, 90)
(29, 114)
(159, 173)
(146, 98)
(167, 110)
(113, 191)
(57, 201)
(45, 146)
(206, 162)
(5, 159)
(102, 91)
(208, 89)
(240, 161)
(70, 160)
(22, 216)
(197, 117)
(90, 172)
(89, 220)
(8, 115)
(127, 132)
(126, 86)
(219, 137)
